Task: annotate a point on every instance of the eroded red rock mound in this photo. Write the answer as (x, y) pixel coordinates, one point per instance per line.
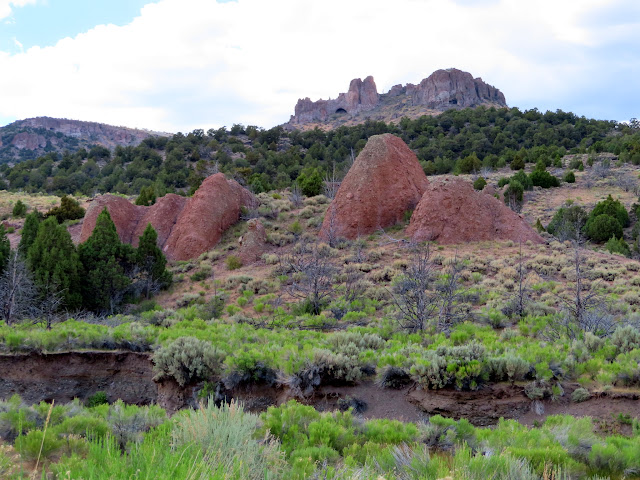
(451, 212)
(186, 227)
(213, 208)
(253, 243)
(384, 182)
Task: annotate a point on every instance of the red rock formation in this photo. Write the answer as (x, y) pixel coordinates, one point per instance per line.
(213, 208)
(162, 215)
(451, 212)
(253, 243)
(125, 216)
(186, 227)
(384, 182)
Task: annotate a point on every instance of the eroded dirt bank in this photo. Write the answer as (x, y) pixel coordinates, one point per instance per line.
(129, 376)
(65, 376)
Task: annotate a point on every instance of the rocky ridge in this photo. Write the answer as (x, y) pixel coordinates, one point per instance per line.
(33, 137)
(440, 91)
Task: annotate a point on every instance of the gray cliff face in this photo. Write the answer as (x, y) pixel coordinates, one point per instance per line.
(440, 91)
(361, 97)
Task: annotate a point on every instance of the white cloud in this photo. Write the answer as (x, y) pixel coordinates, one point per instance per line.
(6, 6)
(185, 64)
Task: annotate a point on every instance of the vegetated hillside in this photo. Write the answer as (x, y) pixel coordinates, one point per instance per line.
(454, 141)
(313, 334)
(229, 330)
(33, 137)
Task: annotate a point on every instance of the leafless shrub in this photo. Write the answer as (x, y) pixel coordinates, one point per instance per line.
(18, 293)
(313, 271)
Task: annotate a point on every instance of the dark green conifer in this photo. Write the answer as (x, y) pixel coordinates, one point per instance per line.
(151, 262)
(29, 232)
(54, 262)
(106, 263)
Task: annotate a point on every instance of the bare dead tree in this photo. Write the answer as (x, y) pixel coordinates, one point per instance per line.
(331, 232)
(18, 293)
(411, 293)
(451, 298)
(331, 183)
(517, 305)
(313, 273)
(626, 181)
(51, 300)
(296, 196)
(585, 309)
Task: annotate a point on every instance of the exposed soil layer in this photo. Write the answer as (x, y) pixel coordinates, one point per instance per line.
(65, 376)
(129, 376)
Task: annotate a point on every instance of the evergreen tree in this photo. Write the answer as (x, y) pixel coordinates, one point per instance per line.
(151, 262)
(29, 232)
(5, 249)
(54, 262)
(69, 209)
(107, 263)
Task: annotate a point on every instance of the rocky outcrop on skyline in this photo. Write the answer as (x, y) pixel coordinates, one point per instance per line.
(440, 91)
(361, 97)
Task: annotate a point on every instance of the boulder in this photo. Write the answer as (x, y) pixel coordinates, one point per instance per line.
(186, 227)
(384, 182)
(253, 243)
(452, 212)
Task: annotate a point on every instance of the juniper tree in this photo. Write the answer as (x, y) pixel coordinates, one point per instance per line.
(29, 232)
(151, 263)
(54, 262)
(107, 264)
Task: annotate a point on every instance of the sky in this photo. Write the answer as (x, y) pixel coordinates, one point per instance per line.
(177, 65)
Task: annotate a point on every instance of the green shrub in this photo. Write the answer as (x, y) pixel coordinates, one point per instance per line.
(186, 359)
(618, 246)
(602, 228)
(580, 395)
(480, 183)
(233, 262)
(569, 177)
(567, 220)
(226, 434)
(543, 179)
(36, 444)
(626, 339)
(69, 209)
(98, 398)
(575, 164)
(469, 164)
(612, 208)
(19, 209)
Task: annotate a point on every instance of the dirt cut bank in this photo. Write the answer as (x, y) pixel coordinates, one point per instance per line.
(129, 376)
